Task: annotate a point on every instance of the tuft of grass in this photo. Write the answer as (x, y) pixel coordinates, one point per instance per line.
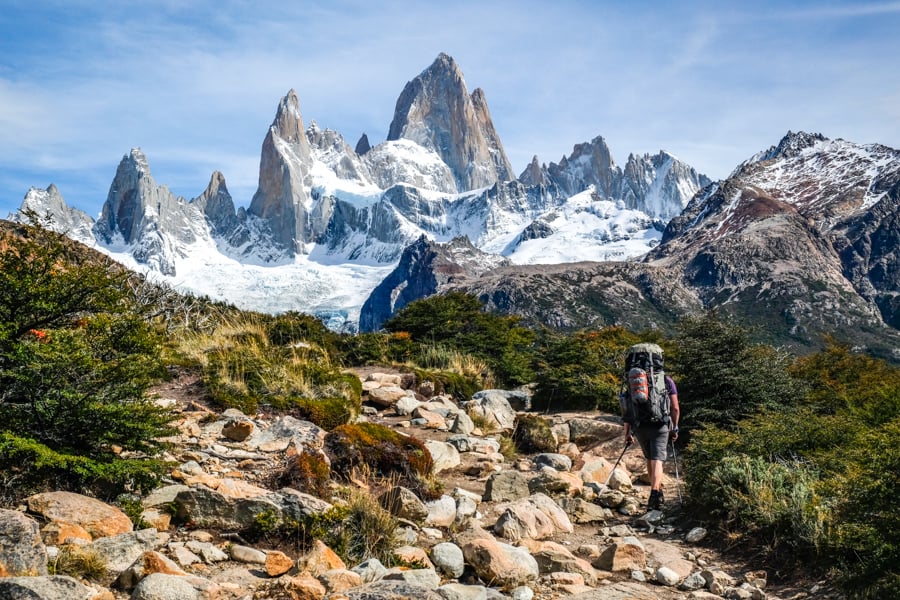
(80, 563)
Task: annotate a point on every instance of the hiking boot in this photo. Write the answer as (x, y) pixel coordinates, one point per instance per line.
(656, 500)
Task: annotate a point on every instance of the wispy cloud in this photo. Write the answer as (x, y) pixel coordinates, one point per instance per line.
(196, 84)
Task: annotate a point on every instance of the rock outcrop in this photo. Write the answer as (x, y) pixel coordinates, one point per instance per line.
(659, 185)
(424, 268)
(436, 111)
(282, 200)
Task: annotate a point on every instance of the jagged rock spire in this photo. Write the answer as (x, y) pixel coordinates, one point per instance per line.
(281, 198)
(436, 111)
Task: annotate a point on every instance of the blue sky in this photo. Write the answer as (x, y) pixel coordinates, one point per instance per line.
(195, 84)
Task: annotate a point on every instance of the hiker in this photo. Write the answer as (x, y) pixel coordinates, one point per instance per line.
(651, 412)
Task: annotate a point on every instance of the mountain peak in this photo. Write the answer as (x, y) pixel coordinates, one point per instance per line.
(288, 123)
(793, 143)
(436, 111)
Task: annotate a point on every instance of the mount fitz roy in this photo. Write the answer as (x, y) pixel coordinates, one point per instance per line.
(802, 239)
(329, 221)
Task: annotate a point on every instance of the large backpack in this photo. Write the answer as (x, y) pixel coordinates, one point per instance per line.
(645, 397)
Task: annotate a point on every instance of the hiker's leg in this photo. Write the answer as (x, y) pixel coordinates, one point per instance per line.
(655, 473)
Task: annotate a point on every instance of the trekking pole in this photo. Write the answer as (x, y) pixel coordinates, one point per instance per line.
(677, 479)
(608, 477)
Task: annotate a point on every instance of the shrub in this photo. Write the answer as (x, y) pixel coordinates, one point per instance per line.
(723, 377)
(769, 501)
(459, 322)
(30, 467)
(460, 387)
(243, 368)
(380, 451)
(306, 472)
(864, 538)
(366, 530)
(78, 562)
(77, 355)
(532, 434)
(327, 413)
(582, 371)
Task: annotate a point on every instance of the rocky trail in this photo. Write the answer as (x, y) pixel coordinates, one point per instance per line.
(539, 526)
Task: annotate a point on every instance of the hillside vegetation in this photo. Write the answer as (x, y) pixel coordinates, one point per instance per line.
(795, 457)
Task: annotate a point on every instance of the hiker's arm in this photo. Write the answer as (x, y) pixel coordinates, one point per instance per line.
(628, 438)
(675, 415)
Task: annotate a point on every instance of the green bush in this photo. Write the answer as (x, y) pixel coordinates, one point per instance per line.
(458, 321)
(327, 413)
(532, 434)
(864, 538)
(77, 355)
(582, 371)
(723, 377)
(371, 449)
(30, 467)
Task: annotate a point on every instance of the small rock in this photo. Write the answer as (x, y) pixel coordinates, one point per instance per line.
(246, 554)
(278, 563)
(666, 576)
(695, 535)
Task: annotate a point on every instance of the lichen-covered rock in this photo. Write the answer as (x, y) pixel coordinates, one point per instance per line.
(97, 518)
(22, 551)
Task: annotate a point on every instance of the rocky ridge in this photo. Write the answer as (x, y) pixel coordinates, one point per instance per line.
(545, 526)
(801, 241)
(441, 173)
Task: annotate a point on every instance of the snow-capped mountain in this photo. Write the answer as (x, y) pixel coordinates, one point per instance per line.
(328, 221)
(800, 242)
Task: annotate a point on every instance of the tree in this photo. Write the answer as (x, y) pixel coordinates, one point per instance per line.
(723, 377)
(582, 371)
(457, 320)
(76, 358)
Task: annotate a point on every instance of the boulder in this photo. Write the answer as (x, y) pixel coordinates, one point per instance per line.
(303, 587)
(385, 396)
(441, 512)
(340, 580)
(506, 486)
(277, 563)
(581, 511)
(238, 429)
(54, 587)
(403, 503)
(146, 564)
(462, 424)
(370, 570)
(97, 518)
(559, 462)
(586, 432)
(160, 586)
(22, 551)
(552, 557)
(432, 419)
(208, 509)
(245, 554)
(425, 578)
(627, 555)
(284, 431)
(494, 561)
(319, 559)
(444, 455)
(393, 590)
(119, 552)
(492, 407)
(459, 591)
(448, 558)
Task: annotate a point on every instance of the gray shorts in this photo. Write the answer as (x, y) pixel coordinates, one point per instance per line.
(654, 441)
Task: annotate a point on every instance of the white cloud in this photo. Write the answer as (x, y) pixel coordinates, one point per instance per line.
(196, 84)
